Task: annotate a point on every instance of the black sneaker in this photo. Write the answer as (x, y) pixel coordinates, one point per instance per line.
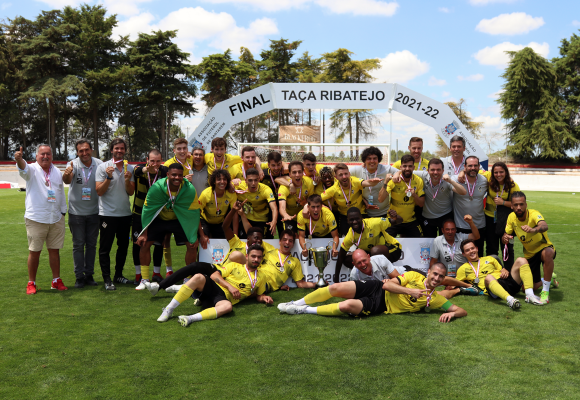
(80, 283)
(109, 285)
(123, 280)
(90, 281)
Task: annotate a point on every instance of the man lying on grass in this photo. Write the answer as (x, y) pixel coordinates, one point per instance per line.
(409, 292)
(233, 283)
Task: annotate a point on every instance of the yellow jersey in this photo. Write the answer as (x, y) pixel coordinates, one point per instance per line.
(491, 194)
(374, 233)
(533, 243)
(258, 200)
(187, 165)
(330, 203)
(278, 274)
(400, 303)
(228, 162)
(403, 205)
(419, 166)
(207, 202)
(487, 266)
(237, 245)
(326, 223)
(238, 171)
(355, 197)
(239, 276)
(295, 202)
(167, 214)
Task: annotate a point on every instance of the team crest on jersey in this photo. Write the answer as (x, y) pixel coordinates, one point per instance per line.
(333, 223)
(227, 202)
(371, 235)
(487, 262)
(383, 219)
(323, 226)
(217, 254)
(271, 195)
(226, 166)
(257, 197)
(539, 216)
(450, 129)
(425, 254)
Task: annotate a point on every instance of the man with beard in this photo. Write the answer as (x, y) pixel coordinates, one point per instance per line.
(347, 193)
(320, 223)
(115, 184)
(145, 177)
(409, 292)
(83, 211)
(279, 265)
(45, 210)
(249, 161)
(472, 203)
(226, 287)
(416, 150)
(404, 196)
(292, 204)
(258, 200)
(531, 228)
(370, 235)
(273, 175)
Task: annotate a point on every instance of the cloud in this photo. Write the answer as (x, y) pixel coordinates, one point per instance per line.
(516, 23)
(497, 57)
(124, 7)
(400, 67)
(486, 2)
(575, 23)
(444, 10)
(471, 78)
(445, 94)
(62, 3)
(403, 128)
(495, 95)
(361, 7)
(196, 25)
(436, 82)
(4, 6)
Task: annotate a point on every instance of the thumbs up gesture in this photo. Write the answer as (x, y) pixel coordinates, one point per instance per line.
(18, 155)
(69, 169)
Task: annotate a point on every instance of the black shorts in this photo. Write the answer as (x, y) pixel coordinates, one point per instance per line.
(406, 229)
(214, 231)
(211, 293)
(536, 264)
(372, 295)
(394, 254)
(343, 226)
(255, 224)
(292, 225)
(510, 285)
(159, 228)
(136, 228)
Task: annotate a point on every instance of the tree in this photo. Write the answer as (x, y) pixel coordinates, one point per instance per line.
(460, 110)
(567, 68)
(218, 73)
(536, 126)
(163, 78)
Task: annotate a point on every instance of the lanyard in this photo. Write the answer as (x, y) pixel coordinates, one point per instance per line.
(369, 175)
(502, 189)
(476, 273)
(272, 179)
(450, 251)
(86, 178)
(252, 281)
(188, 166)
(149, 177)
(456, 170)
(216, 203)
(171, 197)
(349, 186)
(282, 262)
(429, 295)
(470, 190)
(47, 177)
(438, 186)
(359, 237)
(310, 229)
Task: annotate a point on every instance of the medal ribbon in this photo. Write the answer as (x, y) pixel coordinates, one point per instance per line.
(280, 258)
(252, 281)
(216, 202)
(433, 188)
(149, 177)
(349, 187)
(429, 295)
(420, 161)
(359, 237)
(312, 230)
(456, 170)
(47, 177)
(505, 252)
(272, 179)
(409, 186)
(470, 190)
(478, 263)
(171, 197)
(188, 166)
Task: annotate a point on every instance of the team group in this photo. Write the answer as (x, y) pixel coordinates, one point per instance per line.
(195, 197)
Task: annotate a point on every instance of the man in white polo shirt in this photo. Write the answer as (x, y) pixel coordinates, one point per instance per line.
(115, 184)
(83, 211)
(45, 211)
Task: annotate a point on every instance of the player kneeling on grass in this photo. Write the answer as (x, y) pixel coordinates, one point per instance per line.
(486, 276)
(409, 292)
(233, 283)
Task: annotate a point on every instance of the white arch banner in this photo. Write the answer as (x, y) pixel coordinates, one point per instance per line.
(390, 96)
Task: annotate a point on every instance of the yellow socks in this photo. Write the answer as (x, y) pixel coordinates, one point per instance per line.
(167, 256)
(318, 296)
(208, 313)
(329, 310)
(498, 290)
(183, 294)
(145, 272)
(526, 275)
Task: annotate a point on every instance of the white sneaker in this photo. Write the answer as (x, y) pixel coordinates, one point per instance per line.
(165, 315)
(196, 302)
(535, 300)
(142, 285)
(283, 306)
(184, 320)
(173, 288)
(513, 303)
(294, 309)
(153, 287)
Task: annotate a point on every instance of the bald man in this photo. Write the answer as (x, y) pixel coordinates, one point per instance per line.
(375, 268)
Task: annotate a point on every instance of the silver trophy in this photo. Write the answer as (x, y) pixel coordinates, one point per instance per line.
(321, 257)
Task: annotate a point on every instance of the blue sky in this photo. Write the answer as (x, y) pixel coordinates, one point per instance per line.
(444, 49)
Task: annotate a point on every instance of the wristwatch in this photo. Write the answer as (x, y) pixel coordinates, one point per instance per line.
(109, 177)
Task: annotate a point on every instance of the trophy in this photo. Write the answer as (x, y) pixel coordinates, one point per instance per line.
(321, 256)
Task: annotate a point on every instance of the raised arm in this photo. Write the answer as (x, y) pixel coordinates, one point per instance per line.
(474, 235)
(227, 224)
(456, 187)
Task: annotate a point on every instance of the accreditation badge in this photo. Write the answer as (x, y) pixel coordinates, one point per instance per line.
(86, 194)
(51, 196)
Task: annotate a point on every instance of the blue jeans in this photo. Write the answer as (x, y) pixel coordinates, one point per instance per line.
(85, 231)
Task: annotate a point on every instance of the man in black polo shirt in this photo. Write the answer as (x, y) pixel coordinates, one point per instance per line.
(274, 171)
(145, 176)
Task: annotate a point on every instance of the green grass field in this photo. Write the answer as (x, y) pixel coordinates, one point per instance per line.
(88, 343)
